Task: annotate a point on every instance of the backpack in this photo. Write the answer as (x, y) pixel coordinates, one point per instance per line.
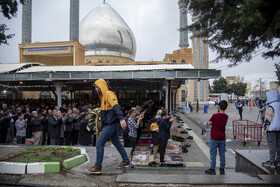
(98, 119)
(95, 119)
(267, 122)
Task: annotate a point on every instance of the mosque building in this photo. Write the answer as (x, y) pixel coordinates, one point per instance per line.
(104, 38)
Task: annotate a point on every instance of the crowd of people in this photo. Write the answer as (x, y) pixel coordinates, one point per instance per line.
(41, 120)
(47, 124)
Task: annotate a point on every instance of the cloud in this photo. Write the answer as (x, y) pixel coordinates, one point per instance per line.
(155, 24)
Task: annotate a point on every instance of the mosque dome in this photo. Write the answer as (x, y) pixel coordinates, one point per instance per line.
(103, 32)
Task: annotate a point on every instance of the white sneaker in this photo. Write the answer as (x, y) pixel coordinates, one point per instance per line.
(268, 164)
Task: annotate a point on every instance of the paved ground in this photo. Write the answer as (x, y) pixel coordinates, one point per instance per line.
(197, 160)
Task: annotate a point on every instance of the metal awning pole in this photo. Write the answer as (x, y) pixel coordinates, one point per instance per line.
(58, 87)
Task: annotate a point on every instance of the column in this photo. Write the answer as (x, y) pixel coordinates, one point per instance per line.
(174, 93)
(166, 94)
(14, 95)
(74, 20)
(58, 87)
(168, 98)
(184, 43)
(188, 92)
(26, 21)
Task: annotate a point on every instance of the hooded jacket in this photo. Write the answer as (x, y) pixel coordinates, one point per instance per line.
(273, 101)
(111, 112)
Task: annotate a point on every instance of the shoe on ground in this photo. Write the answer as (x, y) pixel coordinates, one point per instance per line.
(222, 171)
(187, 144)
(163, 164)
(190, 137)
(210, 171)
(94, 170)
(153, 164)
(269, 164)
(124, 165)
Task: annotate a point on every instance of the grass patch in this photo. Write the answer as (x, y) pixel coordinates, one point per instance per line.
(67, 150)
(44, 154)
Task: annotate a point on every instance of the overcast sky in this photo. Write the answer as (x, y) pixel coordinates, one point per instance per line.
(155, 24)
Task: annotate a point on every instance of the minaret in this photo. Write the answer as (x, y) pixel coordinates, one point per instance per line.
(26, 21)
(74, 20)
(184, 43)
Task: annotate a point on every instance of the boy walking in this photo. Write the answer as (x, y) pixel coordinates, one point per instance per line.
(218, 139)
(111, 118)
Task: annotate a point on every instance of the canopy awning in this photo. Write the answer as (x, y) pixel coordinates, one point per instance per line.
(149, 77)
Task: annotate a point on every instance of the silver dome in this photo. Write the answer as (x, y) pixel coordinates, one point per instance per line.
(104, 32)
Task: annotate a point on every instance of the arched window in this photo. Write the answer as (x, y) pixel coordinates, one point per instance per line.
(100, 61)
(174, 62)
(183, 62)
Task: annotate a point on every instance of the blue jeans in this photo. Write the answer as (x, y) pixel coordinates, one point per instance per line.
(214, 145)
(109, 132)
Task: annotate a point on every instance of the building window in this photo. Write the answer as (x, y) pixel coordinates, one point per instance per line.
(174, 62)
(183, 96)
(100, 61)
(183, 62)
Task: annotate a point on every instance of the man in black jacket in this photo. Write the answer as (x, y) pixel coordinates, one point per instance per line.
(11, 117)
(3, 127)
(85, 133)
(164, 124)
(76, 126)
(240, 108)
(37, 128)
(45, 127)
(54, 124)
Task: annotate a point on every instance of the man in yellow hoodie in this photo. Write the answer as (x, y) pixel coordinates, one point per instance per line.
(111, 118)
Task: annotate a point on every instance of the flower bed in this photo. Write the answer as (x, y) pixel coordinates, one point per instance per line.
(43, 160)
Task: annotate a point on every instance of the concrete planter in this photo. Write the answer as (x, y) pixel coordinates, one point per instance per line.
(41, 167)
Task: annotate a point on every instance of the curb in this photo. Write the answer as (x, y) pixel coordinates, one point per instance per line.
(37, 167)
(74, 161)
(12, 167)
(83, 152)
(52, 167)
(43, 167)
